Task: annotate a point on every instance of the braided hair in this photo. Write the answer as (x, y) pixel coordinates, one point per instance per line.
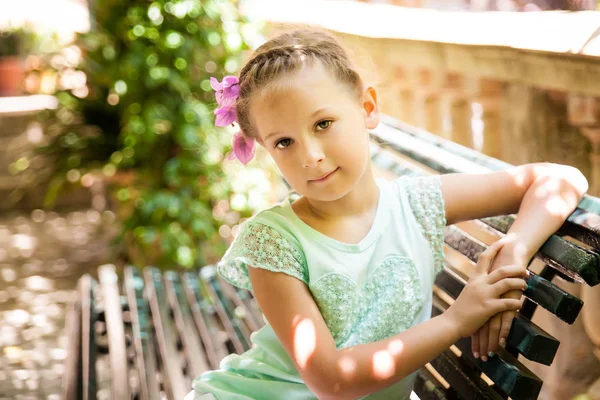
(288, 53)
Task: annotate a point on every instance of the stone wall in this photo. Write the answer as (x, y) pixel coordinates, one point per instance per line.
(510, 119)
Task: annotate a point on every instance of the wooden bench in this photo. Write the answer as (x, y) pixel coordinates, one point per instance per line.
(153, 332)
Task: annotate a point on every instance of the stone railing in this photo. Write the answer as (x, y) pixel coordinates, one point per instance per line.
(494, 5)
(521, 87)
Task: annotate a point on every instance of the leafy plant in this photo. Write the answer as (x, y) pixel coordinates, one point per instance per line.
(145, 123)
(16, 41)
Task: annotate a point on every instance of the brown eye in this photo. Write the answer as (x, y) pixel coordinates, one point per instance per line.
(286, 143)
(324, 124)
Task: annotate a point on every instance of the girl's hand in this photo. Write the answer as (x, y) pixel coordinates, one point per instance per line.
(492, 334)
(481, 297)
(486, 340)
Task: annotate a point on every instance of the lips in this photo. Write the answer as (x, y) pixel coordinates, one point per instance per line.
(323, 176)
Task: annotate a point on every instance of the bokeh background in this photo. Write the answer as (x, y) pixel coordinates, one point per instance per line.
(109, 154)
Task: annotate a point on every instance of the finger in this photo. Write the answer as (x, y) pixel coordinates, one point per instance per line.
(507, 285)
(483, 340)
(507, 304)
(507, 319)
(485, 259)
(494, 335)
(475, 344)
(507, 271)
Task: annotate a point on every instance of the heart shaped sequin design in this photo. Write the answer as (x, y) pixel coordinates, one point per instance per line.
(387, 304)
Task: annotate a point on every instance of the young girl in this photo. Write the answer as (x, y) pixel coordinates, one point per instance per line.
(344, 273)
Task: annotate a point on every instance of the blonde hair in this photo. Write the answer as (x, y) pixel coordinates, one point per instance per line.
(286, 53)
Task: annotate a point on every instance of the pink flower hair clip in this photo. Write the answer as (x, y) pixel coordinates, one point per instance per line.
(226, 93)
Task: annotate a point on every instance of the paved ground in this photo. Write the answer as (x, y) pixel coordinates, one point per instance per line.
(42, 255)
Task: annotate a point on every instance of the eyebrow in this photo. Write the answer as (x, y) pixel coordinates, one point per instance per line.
(311, 115)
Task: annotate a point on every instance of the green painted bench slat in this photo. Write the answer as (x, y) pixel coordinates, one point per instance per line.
(214, 338)
(190, 339)
(142, 334)
(544, 293)
(507, 373)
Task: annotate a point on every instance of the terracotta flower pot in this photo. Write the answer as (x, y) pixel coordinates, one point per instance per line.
(12, 76)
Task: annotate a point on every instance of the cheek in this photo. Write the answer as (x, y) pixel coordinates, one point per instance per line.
(349, 143)
(287, 165)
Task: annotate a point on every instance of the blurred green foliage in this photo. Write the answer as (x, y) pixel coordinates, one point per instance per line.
(17, 41)
(147, 124)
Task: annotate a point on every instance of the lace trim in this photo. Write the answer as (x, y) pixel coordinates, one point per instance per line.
(260, 246)
(427, 204)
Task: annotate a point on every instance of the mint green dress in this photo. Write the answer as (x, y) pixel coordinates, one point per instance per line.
(366, 292)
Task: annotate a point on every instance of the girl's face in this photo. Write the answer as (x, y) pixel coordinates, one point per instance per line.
(316, 126)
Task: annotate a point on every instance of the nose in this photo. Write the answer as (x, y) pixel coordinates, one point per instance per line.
(313, 154)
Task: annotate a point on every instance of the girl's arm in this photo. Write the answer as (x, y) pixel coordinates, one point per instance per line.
(559, 188)
(359, 370)
(543, 194)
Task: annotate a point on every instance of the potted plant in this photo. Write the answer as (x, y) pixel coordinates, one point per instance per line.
(13, 46)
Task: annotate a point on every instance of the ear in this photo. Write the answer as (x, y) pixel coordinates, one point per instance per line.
(370, 107)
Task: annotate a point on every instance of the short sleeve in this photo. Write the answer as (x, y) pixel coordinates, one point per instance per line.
(261, 246)
(427, 204)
